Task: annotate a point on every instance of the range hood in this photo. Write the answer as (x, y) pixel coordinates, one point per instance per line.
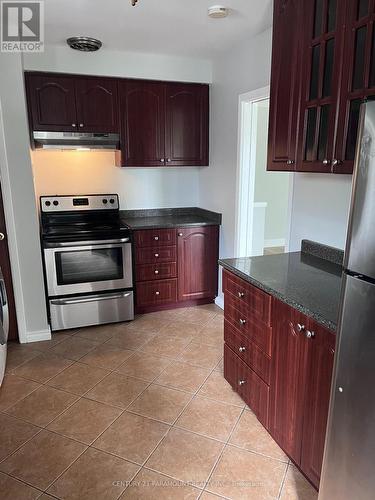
(76, 140)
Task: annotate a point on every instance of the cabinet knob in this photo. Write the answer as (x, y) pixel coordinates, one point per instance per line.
(156, 238)
(336, 163)
(242, 322)
(169, 160)
(242, 349)
(162, 160)
(241, 295)
(156, 272)
(300, 328)
(290, 162)
(157, 293)
(156, 255)
(326, 162)
(74, 125)
(81, 125)
(241, 382)
(2, 236)
(309, 334)
(180, 235)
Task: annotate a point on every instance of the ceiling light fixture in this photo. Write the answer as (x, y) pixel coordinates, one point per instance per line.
(218, 12)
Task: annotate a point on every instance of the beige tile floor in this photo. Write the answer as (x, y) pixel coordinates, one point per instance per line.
(135, 411)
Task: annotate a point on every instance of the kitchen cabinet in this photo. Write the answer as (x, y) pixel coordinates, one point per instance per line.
(301, 376)
(336, 57)
(143, 123)
(176, 267)
(284, 86)
(163, 124)
(63, 103)
(198, 253)
(187, 116)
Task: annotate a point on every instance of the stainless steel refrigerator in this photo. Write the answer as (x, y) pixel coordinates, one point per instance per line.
(349, 459)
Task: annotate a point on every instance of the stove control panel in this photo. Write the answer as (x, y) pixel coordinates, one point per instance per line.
(79, 203)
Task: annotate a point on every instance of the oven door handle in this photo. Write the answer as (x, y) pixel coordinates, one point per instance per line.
(92, 298)
(63, 244)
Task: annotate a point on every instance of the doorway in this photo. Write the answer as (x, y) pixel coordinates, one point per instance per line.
(263, 198)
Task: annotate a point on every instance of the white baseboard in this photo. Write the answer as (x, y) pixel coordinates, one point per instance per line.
(281, 242)
(38, 336)
(219, 301)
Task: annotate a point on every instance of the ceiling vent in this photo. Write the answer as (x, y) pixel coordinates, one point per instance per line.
(218, 11)
(84, 43)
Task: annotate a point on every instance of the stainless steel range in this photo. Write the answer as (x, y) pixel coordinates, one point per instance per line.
(88, 261)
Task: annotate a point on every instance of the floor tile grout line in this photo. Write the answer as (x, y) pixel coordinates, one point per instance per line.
(19, 447)
(24, 482)
(283, 481)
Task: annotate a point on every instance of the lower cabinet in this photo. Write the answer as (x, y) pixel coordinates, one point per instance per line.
(288, 387)
(175, 267)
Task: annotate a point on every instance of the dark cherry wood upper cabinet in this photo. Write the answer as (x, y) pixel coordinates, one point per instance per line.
(198, 250)
(358, 78)
(285, 85)
(322, 52)
(97, 105)
(52, 103)
(287, 379)
(187, 123)
(142, 106)
(320, 355)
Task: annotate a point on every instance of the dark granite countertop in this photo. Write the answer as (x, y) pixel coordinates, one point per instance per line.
(304, 281)
(169, 218)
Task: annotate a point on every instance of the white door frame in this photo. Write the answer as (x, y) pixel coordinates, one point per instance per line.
(245, 195)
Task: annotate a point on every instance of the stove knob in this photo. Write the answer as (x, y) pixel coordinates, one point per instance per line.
(105, 201)
(56, 203)
(48, 203)
(111, 201)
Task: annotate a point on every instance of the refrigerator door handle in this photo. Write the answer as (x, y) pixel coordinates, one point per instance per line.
(4, 325)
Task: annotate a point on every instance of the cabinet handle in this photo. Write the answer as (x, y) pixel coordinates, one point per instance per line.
(156, 272)
(241, 295)
(157, 293)
(241, 382)
(336, 163)
(290, 162)
(242, 349)
(156, 238)
(180, 235)
(242, 321)
(156, 255)
(326, 162)
(309, 334)
(300, 328)
(81, 125)
(74, 125)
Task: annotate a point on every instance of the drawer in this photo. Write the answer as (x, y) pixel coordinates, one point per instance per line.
(150, 272)
(153, 293)
(156, 237)
(156, 255)
(248, 352)
(252, 389)
(247, 325)
(248, 297)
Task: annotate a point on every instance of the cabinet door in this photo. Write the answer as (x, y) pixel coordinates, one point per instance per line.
(285, 80)
(198, 262)
(322, 51)
(320, 355)
(143, 123)
(97, 105)
(187, 111)
(358, 78)
(52, 104)
(288, 379)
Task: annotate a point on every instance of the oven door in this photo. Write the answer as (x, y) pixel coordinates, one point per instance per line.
(90, 266)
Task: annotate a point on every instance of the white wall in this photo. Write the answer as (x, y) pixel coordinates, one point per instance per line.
(81, 172)
(121, 64)
(19, 203)
(320, 209)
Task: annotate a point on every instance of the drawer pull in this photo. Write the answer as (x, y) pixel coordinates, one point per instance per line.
(300, 328)
(242, 349)
(242, 322)
(241, 295)
(156, 272)
(241, 382)
(180, 235)
(156, 255)
(309, 334)
(157, 293)
(156, 238)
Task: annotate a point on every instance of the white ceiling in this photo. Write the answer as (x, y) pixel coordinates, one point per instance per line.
(179, 27)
